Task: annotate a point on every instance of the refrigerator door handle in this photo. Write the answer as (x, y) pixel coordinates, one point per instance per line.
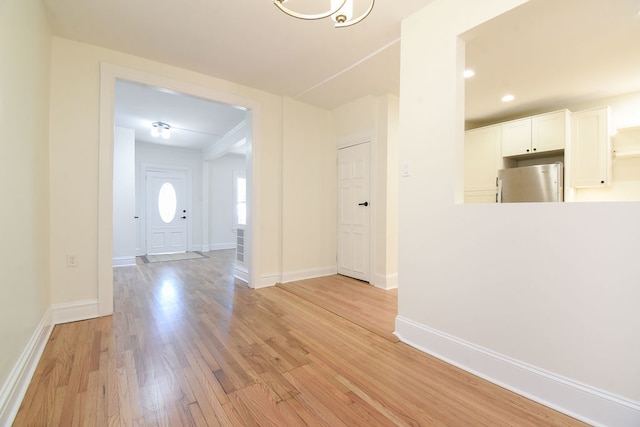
(499, 190)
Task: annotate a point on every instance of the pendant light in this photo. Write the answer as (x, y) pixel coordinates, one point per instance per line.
(341, 11)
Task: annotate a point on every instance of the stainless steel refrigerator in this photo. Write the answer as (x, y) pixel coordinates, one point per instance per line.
(540, 183)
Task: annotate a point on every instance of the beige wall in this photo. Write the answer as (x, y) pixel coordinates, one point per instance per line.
(24, 94)
(551, 285)
(309, 191)
(388, 107)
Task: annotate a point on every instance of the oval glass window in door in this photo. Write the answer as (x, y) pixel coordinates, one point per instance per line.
(167, 202)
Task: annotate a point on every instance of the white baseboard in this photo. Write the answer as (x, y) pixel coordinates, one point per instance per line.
(74, 311)
(124, 261)
(586, 403)
(267, 280)
(390, 281)
(241, 273)
(292, 276)
(221, 246)
(15, 387)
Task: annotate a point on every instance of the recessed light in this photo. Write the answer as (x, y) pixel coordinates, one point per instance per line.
(508, 98)
(469, 73)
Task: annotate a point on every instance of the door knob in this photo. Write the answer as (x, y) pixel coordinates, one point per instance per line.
(363, 204)
(183, 217)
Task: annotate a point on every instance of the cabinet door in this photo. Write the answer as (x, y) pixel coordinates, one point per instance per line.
(549, 131)
(481, 156)
(590, 148)
(516, 137)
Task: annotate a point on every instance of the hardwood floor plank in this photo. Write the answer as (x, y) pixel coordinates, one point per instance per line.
(90, 401)
(372, 308)
(188, 345)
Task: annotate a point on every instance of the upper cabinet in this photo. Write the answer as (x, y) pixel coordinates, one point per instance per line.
(516, 137)
(481, 158)
(590, 148)
(537, 134)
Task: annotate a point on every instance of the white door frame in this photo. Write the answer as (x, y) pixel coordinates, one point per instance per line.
(369, 209)
(109, 73)
(154, 167)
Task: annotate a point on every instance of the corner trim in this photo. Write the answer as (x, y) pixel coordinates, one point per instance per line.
(15, 387)
(593, 406)
(74, 311)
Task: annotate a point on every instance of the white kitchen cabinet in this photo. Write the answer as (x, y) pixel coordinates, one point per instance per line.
(481, 163)
(590, 148)
(536, 134)
(516, 137)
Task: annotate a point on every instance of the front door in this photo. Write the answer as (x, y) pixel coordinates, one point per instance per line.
(166, 212)
(353, 211)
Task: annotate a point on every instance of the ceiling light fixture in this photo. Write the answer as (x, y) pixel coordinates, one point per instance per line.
(160, 129)
(469, 73)
(508, 98)
(341, 11)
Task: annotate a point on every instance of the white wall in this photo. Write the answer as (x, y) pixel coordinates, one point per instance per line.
(309, 192)
(24, 157)
(124, 197)
(505, 288)
(170, 157)
(221, 202)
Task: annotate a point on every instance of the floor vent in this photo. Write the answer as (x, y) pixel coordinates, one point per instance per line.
(240, 244)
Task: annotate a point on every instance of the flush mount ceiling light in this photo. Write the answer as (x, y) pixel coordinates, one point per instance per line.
(160, 129)
(508, 98)
(341, 11)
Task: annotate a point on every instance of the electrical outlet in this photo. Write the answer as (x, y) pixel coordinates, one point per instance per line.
(72, 260)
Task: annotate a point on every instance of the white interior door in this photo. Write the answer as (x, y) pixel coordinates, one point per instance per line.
(353, 211)
(166, 204)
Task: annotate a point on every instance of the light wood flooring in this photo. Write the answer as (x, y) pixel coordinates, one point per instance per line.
(189, 346)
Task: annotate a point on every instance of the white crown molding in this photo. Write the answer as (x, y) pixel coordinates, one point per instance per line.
(583, 402)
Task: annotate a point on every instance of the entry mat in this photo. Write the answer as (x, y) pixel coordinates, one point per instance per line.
(146, 259)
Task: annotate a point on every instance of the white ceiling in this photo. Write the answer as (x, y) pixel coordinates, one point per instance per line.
(196, 123)
(547, 53)
(247, 41)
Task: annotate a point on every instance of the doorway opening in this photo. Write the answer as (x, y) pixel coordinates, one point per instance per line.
(195, 237)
